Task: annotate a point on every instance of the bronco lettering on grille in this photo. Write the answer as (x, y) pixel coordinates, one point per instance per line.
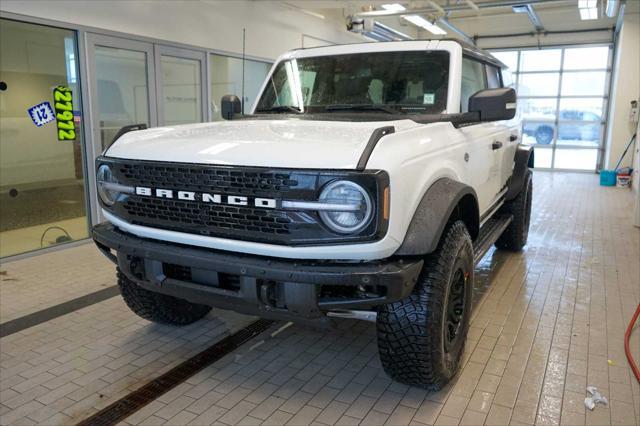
(232, 200)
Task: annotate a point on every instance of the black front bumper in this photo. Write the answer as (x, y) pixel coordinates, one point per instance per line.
(267, 287)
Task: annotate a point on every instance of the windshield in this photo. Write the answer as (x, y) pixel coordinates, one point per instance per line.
(384, 82)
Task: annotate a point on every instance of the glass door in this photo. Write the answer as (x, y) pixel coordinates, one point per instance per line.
(180, 85)
(42, 193)
(122, 89)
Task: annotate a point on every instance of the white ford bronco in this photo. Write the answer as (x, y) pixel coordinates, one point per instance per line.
(366, 182)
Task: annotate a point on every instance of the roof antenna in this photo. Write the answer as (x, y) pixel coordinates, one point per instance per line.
(244, 30)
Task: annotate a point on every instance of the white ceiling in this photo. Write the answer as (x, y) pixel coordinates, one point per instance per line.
(556, 15)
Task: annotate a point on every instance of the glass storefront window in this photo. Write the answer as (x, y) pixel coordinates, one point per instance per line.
(226, 79)
(42, 195)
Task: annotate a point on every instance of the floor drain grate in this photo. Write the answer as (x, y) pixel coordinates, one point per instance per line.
(133, 402)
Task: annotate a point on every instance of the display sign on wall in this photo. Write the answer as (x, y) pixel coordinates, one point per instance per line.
(41, 114)
(63, 99)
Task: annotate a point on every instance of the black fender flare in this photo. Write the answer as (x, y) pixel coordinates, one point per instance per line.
(522, 161)
(433, 213)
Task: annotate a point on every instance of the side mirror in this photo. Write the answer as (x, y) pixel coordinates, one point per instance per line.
(494, 104)
(229, 105)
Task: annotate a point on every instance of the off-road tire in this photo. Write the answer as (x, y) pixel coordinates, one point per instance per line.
(412, 342)
(157, 307)
(515, 236)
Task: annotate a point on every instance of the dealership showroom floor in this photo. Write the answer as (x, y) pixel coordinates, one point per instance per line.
(547, 323)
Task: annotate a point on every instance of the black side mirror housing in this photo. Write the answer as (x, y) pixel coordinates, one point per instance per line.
(494, 104)
(229, 105)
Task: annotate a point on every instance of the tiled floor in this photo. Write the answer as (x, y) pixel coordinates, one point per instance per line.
(547, 322)
(38, 282)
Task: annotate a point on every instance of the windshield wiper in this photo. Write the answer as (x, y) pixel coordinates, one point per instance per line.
(348, 107)
(280, 108)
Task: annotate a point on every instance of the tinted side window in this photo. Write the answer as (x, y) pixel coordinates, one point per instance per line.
(472, 81)
(493, 77)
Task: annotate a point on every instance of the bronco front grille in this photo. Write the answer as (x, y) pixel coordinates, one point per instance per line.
(247, 222)
(237, 182)
(206, 219)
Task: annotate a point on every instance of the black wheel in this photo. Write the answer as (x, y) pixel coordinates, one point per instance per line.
(516, 235)
(158, 307)
(421, 338)
(544, 135)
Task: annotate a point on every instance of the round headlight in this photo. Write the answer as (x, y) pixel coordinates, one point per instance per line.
(107, 193)
(353, 207)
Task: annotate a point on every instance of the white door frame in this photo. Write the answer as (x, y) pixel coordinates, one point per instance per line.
(94, 143)
(159, 51)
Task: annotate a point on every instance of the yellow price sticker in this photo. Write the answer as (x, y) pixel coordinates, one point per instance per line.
(63, 105)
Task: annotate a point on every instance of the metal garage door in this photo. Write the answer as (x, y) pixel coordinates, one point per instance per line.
(563, 95)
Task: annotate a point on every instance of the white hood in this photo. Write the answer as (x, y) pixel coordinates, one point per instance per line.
(290, 143)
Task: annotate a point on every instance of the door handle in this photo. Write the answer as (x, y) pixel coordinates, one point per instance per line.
(496, 145)
(513, 138)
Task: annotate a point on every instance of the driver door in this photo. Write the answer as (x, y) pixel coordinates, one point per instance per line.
(483, 149)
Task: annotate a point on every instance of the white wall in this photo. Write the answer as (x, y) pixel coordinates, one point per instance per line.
(626, 87)
(271, 29)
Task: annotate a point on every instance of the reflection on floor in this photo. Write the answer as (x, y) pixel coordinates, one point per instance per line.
(31, 238)
(547, 322)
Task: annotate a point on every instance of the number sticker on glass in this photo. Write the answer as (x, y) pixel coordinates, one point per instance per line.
(41, 114)
(64, 113)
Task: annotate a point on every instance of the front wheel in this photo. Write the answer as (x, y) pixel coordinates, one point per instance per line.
(515, 236)
(158, 307)
(421, 338)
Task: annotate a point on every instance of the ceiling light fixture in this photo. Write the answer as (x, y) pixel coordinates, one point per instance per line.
(415, 19)
(374, 30)
(423, 23)
(394, 7)
(588, 9)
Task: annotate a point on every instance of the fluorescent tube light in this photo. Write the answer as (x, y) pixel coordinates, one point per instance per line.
(423, 23)
(394, 7)
(415, 19)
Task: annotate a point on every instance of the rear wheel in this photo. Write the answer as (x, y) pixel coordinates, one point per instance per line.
(515, 236)
(158, 307)
(421, 338)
